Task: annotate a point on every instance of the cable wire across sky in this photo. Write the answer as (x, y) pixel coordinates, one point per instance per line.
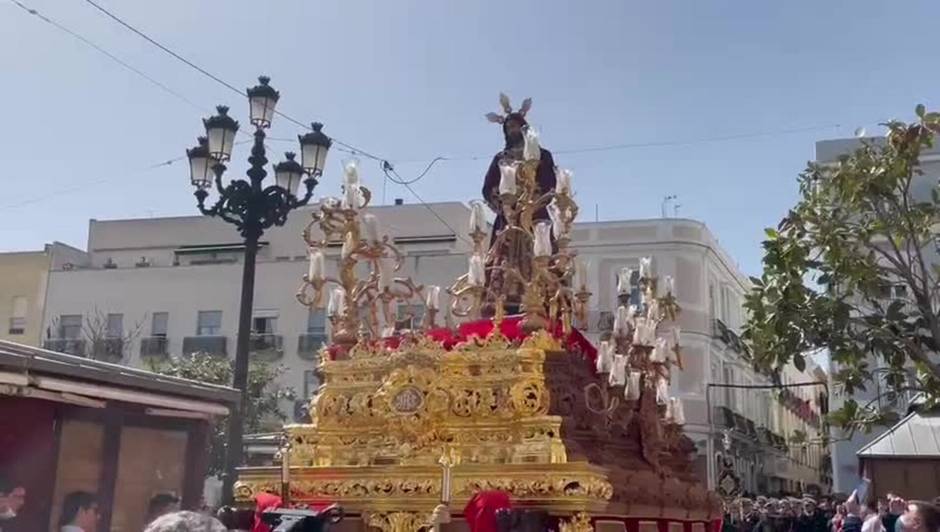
(387, 167)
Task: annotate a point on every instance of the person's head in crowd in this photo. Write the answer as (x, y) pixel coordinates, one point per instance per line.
(920, 516)
(185, 522)
(162, 504)
(809, 507)
(80, 511)
(12, 498)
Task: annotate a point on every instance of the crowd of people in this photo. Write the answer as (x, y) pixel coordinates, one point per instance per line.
(807, 514)
(80, 512)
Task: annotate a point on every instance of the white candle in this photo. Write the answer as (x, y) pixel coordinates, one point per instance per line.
(639, 330)
(317, 266)
(668, 414)
(531, 151)
(337, 303)
(477, 217)
(388, 331)
(631, 391)
(433, 298)
(676, 336)
(562, 181)
(370, 227)
(669, 285)
(652, 308)
(542, 245)
(618, 371)
(605, 356)
(349, 245)
(351, 173)
(507, 178)
(649, 337)
(660, 352)
(351, 197)
(621, 321)
(662, 391)
(477, 274)
(385, 273)
(678, 411)
(554, 213)
(285, 465)
(623, 281)
(632, 311)
(646, 267)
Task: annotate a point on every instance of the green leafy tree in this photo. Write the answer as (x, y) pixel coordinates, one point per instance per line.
(264, 395)
(852, 269)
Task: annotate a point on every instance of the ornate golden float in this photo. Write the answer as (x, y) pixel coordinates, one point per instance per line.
(406, 428)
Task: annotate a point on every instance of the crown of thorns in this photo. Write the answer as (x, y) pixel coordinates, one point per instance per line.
(507, 108)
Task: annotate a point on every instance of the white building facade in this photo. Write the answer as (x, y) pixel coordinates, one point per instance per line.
(170, 286)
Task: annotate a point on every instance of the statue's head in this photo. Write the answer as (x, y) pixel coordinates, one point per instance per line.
(513, 122)
(513, 129)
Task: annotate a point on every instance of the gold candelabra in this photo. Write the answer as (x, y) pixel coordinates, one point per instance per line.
(522, 266)
(355, 303)
(643, 347)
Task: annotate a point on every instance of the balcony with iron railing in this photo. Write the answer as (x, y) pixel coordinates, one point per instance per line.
(107, 349)
(213, 345)
(71, 346)
(154, 346)
(266, 346)
(309, 344)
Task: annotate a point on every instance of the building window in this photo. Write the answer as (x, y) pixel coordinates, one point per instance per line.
(316, 322)
(158, 324)
(264, 324)
(115, 326)
(311, 383)
(892, 291)
(70, 326)
(18, 315)
(209, 323)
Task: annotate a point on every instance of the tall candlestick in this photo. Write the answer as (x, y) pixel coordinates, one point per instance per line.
(605, 357)
(349, 245)
(507, 178)
(351, 197)
(621, 322)
(646, 267)
(531, 151)
(563, 181)
(669, 285)
(542, 245)
(370, 227)
(316, 270)
(477, 274)
(618, 376)
(660, 352)
(632, 389)
(662, 391)
(433, 298)
(477, 217)
(337, 303)
(678, 411)
(554, 213)
(624, 284)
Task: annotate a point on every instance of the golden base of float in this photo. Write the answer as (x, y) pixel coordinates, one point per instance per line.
(394, 433)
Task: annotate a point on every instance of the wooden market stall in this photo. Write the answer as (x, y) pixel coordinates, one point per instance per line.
(69, 423)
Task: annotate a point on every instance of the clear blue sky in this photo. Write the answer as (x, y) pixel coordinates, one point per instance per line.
(410, 80)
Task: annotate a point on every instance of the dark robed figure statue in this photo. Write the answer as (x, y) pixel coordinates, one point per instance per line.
(514, 125)
(514, 251)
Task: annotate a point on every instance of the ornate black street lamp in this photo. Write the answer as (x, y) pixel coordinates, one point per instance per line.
(252, 207)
